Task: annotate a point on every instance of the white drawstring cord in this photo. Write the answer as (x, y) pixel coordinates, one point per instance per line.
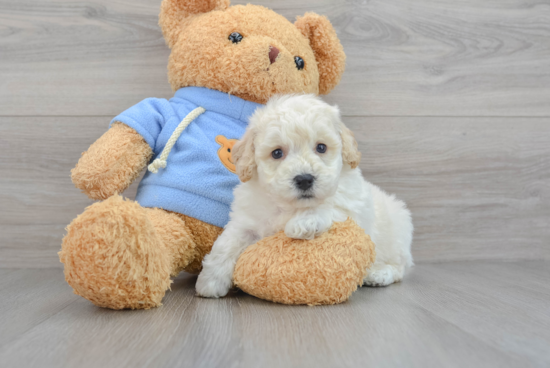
(161, 160)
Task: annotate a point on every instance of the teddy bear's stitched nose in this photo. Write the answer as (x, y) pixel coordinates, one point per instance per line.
(273, 53)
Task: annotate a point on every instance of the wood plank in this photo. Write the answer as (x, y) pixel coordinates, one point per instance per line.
(30, 297)
(478, 188)
(37, 198)
(390, 327)
(485, 300)
(427, 57)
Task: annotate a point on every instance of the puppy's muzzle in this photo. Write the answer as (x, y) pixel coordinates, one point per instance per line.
(304, 182)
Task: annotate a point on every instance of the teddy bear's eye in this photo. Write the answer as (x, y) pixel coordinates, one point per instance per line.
(299, 62)
(235, 37)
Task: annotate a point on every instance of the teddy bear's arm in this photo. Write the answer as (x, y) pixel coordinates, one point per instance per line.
(112, 162)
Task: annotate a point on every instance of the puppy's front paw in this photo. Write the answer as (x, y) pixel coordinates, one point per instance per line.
(296, 230)
(213, 287)
(305, 228)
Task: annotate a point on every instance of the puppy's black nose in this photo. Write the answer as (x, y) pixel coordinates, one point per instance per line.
(304, 182)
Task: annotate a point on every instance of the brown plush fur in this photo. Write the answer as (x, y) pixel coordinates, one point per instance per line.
(203, 235)
(326, 270)
(112, 163)
(114, 257)
(329, 52)
(202, 54)
(120, 255)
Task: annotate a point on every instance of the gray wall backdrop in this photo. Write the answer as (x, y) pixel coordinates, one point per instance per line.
(450, 102)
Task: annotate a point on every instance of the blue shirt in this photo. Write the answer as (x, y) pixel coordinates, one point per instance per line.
(196, 182)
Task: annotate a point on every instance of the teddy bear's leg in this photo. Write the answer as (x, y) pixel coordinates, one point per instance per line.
(204, 235)
(120, 255)
(114, 256)
(186, 239)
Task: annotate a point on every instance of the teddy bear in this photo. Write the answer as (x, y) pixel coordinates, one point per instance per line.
(225, 61)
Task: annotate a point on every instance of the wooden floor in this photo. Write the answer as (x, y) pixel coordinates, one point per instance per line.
(461, 314)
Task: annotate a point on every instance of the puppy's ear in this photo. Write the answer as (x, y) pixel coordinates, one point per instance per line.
(350, 153)
(173, 14)
(243, 156)
(328, 50)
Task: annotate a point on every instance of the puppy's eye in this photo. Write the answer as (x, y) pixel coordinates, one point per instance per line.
(321, 148)
(277, 154)
(300, 63)
(235, 37)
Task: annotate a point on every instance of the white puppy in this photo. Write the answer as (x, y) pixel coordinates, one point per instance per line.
(298, 166)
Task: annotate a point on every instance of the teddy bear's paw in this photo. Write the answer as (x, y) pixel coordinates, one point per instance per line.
(325, 270)
(210, 286)
(383, 275)
(114, 257)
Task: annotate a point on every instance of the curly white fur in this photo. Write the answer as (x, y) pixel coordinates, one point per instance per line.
(269, 199)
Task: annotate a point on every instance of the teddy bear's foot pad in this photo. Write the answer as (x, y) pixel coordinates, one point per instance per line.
(113, 257)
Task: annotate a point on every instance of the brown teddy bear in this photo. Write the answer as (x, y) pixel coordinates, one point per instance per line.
(225, 61)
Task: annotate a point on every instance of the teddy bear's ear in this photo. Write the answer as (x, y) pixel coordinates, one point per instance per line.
(327, 48)
(173, 13)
